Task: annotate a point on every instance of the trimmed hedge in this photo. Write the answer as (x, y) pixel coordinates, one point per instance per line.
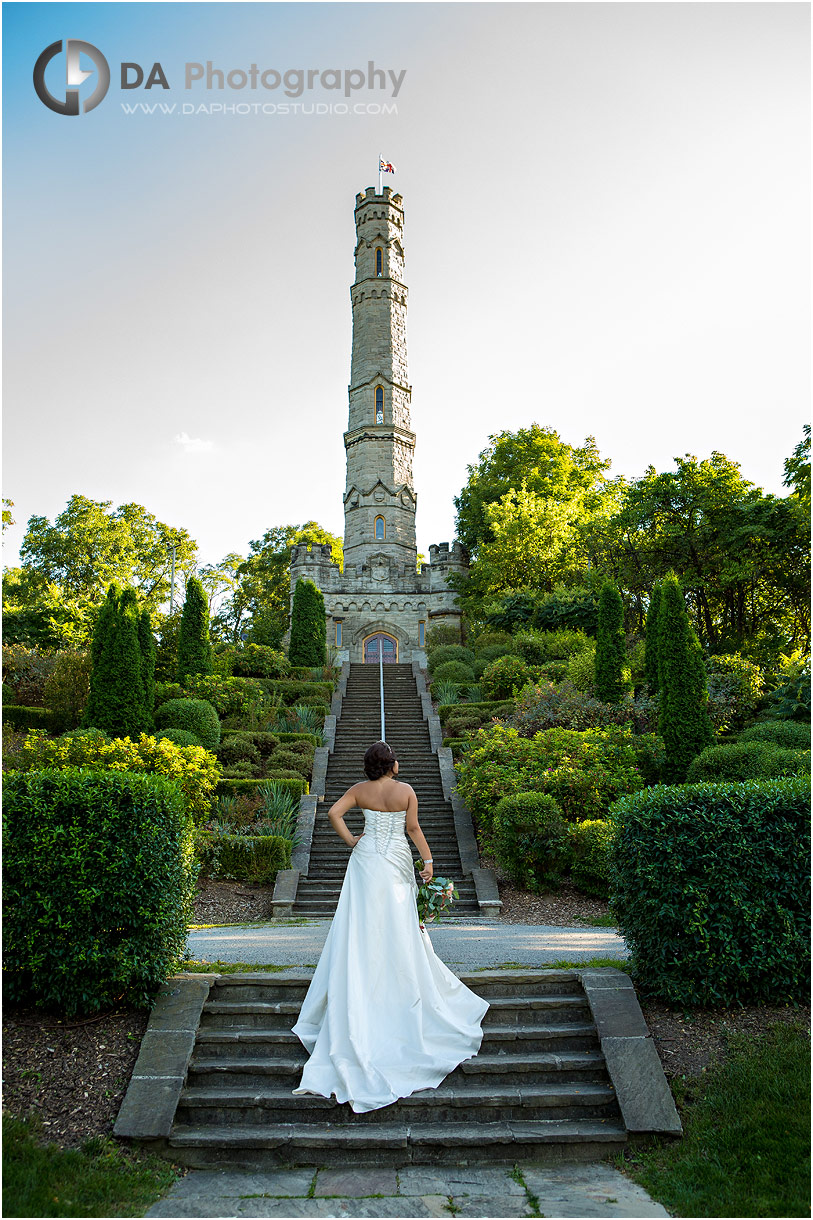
(29, 717)
(710, 884)
(180, 737)
(195, 715)
(790, 734)
(449, 652)
(747, 760)
(194, 769)
(297, 692)
(453, 671)
(99, 874)
(311, 737)
(238, 787)
(244, 857)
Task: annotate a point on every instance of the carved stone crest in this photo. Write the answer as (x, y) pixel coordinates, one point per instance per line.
(380, 567)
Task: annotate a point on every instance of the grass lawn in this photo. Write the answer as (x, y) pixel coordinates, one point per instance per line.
(746, 1144)
(100, 1179)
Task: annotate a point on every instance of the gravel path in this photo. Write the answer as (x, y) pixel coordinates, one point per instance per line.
(464, 944)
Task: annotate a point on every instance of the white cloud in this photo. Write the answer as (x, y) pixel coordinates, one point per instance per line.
(193, 444)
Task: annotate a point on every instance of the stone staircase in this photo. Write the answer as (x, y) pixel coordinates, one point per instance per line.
(538, 1089)
(408, 734)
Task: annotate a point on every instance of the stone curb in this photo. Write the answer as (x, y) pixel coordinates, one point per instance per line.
(158, 1077)
(646, 1102)
(287, 880)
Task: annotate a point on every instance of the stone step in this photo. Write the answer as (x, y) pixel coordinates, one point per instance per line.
(497, 1040)
(244, 1071)
(395, 1143)
(465, 1101)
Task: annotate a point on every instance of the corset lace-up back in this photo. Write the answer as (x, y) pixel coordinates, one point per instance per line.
(383, 827)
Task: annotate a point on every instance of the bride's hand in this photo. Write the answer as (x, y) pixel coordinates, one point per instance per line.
(426, 873)
(356, 839)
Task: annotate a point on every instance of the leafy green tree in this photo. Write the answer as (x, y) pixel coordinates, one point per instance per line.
(797, 472)
(611, 649)
(258, 608)
(308, 626)
(146, 644)
(7, 517)
(116, 701)
(194, 646)
(552, 471)
(683, 720)
(742, 557)
(651, 640)
(67, 567)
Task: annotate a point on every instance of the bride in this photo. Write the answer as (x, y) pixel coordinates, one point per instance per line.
(383, 1016)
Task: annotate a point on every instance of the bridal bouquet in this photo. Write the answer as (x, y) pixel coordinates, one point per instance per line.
(433, 896)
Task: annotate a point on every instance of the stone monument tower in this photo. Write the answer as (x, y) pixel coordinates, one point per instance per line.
(380, 601)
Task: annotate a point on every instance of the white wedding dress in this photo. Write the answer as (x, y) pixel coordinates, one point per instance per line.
(383, 1015)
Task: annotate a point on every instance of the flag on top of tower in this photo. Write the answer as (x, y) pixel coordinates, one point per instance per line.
(385, 167)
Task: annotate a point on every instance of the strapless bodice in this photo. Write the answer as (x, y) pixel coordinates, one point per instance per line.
(383, 826)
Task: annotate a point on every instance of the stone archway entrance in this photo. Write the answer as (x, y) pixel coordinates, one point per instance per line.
(382, 645)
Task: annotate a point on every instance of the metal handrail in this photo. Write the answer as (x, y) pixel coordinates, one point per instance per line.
(381, 686)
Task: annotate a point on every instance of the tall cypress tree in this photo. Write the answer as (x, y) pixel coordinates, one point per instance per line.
(308, 626)
(116, 702)
(146, 644)
(611, 648)
(683, 719)
(194, 647)
(651, 639)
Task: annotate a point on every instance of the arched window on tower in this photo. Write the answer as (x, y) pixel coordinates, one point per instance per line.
(379, 261)
(380, 529)
(379, 404)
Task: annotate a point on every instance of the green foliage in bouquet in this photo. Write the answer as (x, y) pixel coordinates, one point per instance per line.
(433, 896)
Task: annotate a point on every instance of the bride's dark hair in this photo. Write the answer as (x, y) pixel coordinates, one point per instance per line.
(378, 760)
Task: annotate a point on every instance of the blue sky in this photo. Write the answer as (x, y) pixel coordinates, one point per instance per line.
(606, 232)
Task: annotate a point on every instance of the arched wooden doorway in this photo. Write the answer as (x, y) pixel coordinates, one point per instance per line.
(382, 645)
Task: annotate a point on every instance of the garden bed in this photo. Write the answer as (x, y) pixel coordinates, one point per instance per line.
(231, 901)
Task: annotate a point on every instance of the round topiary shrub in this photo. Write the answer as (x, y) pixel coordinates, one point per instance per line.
(454, 671)
(710, 884)
(238, 749)
(180, 737)
(790, 734)
(530, 839)
(92, 734)
(195, 715)
(592, 841)
(288, 760)
(747, 760)
(505, 677)
(112, 853)
(449, 652)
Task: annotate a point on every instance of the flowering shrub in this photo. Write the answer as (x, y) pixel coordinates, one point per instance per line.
(504, 677)
(549, 704)
(194, 769)
(585, 772)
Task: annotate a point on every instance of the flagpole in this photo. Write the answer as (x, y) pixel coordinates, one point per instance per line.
(380, 188)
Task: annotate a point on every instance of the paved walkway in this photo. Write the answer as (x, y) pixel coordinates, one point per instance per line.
(587, 1190)
(461, 944)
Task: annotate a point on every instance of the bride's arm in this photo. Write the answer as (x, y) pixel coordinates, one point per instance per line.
(336, 816)
(416, 835)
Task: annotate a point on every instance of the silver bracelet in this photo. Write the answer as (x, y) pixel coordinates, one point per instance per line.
(428, 861)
